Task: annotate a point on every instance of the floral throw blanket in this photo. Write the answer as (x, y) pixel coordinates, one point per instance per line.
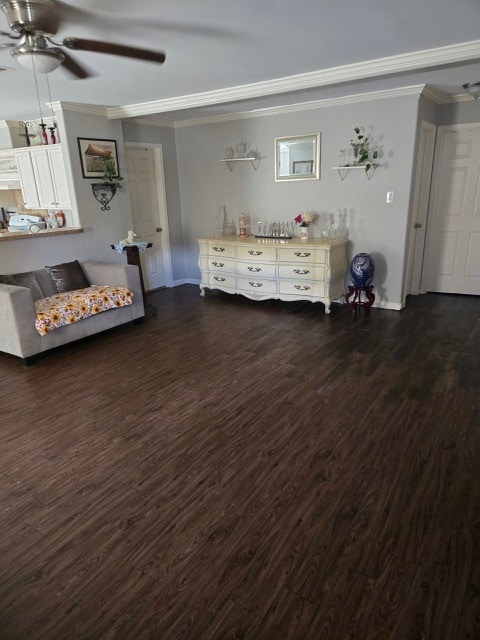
(72, 306)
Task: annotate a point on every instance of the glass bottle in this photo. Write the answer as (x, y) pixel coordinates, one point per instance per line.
(220, 221)
(341, 231)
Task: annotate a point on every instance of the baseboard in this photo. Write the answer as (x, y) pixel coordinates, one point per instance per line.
(178, 283)
(394, 306)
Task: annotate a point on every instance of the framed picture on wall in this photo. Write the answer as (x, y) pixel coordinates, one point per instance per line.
(91, 153)
(302, 166)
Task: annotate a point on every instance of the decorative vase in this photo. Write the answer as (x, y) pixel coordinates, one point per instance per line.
(304, 233)
(362, 269)
(220, 221)
(341, 231)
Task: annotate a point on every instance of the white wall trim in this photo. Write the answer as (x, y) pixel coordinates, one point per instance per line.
(461, 52)
(152, 123)
(178, 283)
(304, 106)
(78, 107)
(392, 306)
(459, 127)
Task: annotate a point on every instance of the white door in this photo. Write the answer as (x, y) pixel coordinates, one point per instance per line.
(453, 244)
(421, 193)
(143, 188)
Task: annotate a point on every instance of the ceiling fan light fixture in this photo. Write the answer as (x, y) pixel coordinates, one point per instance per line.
(44, 61)
(473, 89)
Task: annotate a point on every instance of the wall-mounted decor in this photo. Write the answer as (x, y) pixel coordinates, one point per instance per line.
(240, 154)
(297, 157)
(358, 156)
(93, 153)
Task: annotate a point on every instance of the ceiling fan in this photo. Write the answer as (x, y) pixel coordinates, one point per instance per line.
(34, 22)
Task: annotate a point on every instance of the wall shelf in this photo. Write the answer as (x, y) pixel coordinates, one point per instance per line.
(343, 170)
(254, 161)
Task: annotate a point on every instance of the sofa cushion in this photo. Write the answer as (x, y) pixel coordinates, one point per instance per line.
(27, 279)
(68, 276)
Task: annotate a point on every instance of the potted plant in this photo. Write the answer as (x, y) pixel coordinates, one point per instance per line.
(110, 171)
(104, 191)
(362, 154)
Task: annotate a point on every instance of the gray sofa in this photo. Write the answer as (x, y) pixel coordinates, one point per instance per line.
(18, 334)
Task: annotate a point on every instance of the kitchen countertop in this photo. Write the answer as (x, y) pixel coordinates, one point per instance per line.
(43, 233)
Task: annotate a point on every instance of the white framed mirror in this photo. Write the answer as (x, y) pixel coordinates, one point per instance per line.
(297, 157)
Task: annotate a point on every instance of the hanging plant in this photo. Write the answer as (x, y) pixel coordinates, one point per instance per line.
(362, 154)
(110, 171)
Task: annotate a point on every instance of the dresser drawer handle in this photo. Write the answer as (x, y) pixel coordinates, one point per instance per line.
(255, 269)
(256, 284)
(302, 287)
(301, 272)
(218, 264)
(220, 249)
(255, 253)
(302, 254)
(218, 279)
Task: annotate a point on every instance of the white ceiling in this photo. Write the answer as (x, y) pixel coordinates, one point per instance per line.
(214, 45)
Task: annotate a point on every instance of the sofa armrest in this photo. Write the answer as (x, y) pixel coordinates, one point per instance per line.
(118, 275)
(18, 335)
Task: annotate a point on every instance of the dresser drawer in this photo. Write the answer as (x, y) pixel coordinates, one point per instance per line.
(221, 250)
(302, 288)
(262, 254)
(300, 254)
(257, 285)
(221, 264)
(301, 271)
(223, 280)
(256, 269)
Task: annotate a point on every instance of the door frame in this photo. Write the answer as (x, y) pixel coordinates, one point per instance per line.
(420, 206)
(437, 164)
(162, 204)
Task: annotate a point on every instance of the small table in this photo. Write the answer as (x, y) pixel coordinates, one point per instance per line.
(355, 299)
(133, 257)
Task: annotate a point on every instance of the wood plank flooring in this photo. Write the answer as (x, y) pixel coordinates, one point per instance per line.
(246, 470)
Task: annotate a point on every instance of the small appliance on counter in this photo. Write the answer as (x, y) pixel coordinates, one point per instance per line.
(26, 222)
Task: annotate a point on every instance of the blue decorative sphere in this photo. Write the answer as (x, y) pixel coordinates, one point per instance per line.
(362, 269)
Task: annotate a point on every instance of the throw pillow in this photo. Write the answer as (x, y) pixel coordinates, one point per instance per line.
(68, 276)
(27, 279)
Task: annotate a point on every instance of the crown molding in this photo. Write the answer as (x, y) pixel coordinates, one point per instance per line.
(304, 106)
(151, 123)
(462, 97)
(346, 73)
(79, 107)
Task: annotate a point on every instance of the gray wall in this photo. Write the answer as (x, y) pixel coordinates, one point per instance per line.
(375, 227)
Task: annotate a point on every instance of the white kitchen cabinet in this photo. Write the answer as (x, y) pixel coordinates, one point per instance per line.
(28, 183)
(42, 172)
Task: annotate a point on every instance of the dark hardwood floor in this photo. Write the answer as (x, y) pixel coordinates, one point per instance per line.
(240, 470)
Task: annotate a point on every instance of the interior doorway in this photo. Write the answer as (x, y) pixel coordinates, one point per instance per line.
(146, 183)
(421, 195)
(452, 257)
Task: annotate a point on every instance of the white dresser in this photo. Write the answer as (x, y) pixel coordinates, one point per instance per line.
(282, 269)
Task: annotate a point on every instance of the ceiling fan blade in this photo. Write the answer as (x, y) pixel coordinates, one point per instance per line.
(115, 49)
(74, 67)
